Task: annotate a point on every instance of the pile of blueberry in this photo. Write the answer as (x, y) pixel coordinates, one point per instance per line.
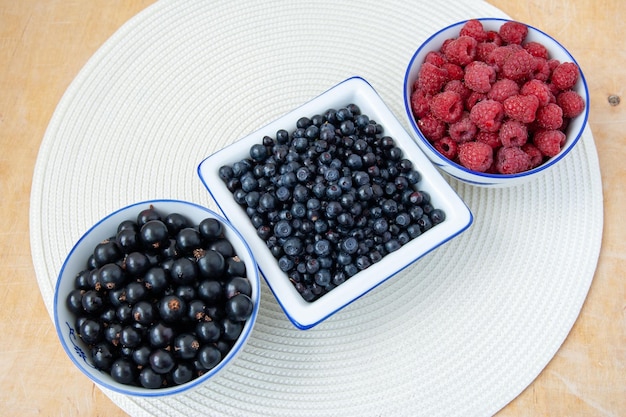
(330, 198)
(162, 301)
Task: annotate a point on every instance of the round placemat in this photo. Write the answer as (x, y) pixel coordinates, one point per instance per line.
(461, 332)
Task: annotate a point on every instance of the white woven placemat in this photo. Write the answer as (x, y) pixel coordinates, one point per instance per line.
(462, 332)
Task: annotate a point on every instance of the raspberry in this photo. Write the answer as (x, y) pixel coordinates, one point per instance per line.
(459, 87)
(550, 116)
(479, 76)
(436, 58)
(431, 127)
(447, 106)
(542, 70)
(539, 89)
(549, 142)
(447, 147)
(513, 133)
(487, 115)
(476, 156)
(475, 29)
(499, 55)
(522, 108)
(419, 103)
(490, 138)
(503, 89)
(431, 78)
(493, 36)
(536, 49)
(461, 50)
(511, 160)
(513, 32)
(519, 65)
(464, 130)
(455, 72)
(474, 98)
(571, 103)
(536, 157)
(565, 75)
(483, 49)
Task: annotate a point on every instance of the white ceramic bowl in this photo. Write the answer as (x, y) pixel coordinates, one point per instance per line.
(573, 132)
(305, 314)
(76, 261)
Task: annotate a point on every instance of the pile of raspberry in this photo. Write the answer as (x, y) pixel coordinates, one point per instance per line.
(494, 102)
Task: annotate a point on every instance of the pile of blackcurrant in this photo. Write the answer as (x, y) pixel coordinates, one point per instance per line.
(162, 301)
(330, 197)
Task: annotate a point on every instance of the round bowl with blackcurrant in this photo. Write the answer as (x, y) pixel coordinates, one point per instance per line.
(157, 298)
(333, 198)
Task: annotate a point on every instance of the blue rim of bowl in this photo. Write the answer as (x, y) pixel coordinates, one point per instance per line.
(138, 391)
(487, 176)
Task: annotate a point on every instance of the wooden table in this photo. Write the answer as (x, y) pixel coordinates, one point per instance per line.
(43, 45)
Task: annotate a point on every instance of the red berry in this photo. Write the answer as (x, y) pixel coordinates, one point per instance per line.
(455, 72)
(436, 58)
(459, 87)
(475, 29)
(479, 76)
(464, 130)
(550, 116)
(498, 56)
(536, 157)
(447, 106)
(487, 115)
(431, 127)
(474, 98)
(513, 133)
(476, 156)
(519, 66)
(522, 108)
(461, 50)
(431, 78)
(571, 103)
(503, 89)
(490, 138)
(513, 32)
(539, 89)
(419, 103)
(565, 76)
(483, 49)
(549, 142)
(536, 49)
(447, 147)
(512, 160)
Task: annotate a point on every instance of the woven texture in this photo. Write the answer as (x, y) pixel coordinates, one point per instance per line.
(461, 332)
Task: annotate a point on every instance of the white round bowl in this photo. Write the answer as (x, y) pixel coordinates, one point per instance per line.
(573, 132)
(76, 261)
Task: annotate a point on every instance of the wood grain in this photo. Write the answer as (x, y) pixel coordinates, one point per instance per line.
(43, 45)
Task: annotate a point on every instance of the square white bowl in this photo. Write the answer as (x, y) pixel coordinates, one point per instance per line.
(303, 314)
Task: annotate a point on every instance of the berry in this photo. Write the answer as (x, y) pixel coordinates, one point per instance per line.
(536, 49)
(550, 117)
(565, 76)
(536, 157)
(490, 138)
(431, 127)
(458, 87)
(447, 106)
(431, 78)
(511, 160)
(520, 65)
(571, 103)
(487, 115)
(447, 147)
(503, 89)
(461, 51)
(538, 89)
(521, 108)
(419, 106)
(454, 71)
(513, 32)
(513, 133)
(479, 76)
(549, 142)
(476, 156)
(499, 55)
(464, 130)
(475, 29)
